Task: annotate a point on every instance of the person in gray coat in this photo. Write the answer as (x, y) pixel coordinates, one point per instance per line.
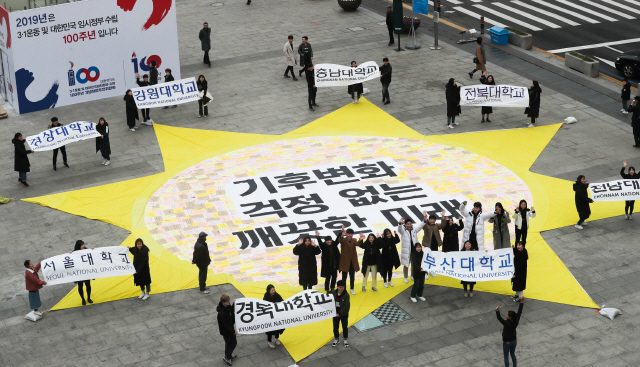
(205, 41)
(500, 220)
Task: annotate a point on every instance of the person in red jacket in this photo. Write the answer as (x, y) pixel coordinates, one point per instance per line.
(33, 284)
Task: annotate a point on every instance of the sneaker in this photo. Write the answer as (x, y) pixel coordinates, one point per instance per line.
(206, 115)
(39, 312)
(466, 294)
(358, 101)
(515, 298)
(385, 285)
(626, 217)
(584, 223)
(23, 183)
(353, 292)
(422, 299)
(204, 292)
(630, 216)
(374, 289)
(335, 342)
(103, 161)
(346, 343)
(471, 294)
(66, 165)
(278, 342)
(426, 276)
(354, 101)
(146, 297)
(200, 115)
(235, 356)
(579, 227)
(271, 345)
(108, 162)
(227, 361)
(455, 123)
(364, 289)
(406, 280)
(391, 283)
(295, 79)
(624, 112)
(531, 125)
(450, 126)
(136, 127)
(413, 299)
(141, 295)
(433, 275)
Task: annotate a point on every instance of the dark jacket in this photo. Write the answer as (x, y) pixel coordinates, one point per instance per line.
(509, 331)
(141, 263)
(582, 200)
(276, 298)
(202, 86)
(153, 76)
(355, 88)
(21, 163)
(626, 92)
(132, 110)
(142, 83)
(389, 252)
(450, 236)
(330, 257)
(344, 302)
(389, 20)
(453, 100)
(371, 249)
(462, 281)
(416, 262)
(102, 144)
(519, 283)
(309, 74)
(485, 80)
(306, 53)
(205, 39)
(226, 319)
(534, 102)
(168, 78)
(627, 176)
(307, 263)
(385, 73)
(635, 117)
(201, 253)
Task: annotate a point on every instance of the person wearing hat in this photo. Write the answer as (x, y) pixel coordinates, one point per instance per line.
(342, 299)
(635, 120)
(385, 79)
(21, 164)
(146, 120)
(80, 245)
(54, 124)
(389, 22)
(33, 284)
(202, 260)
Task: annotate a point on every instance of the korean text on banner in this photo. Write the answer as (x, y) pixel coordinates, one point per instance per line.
(332, 75)
(254, 316)
(103, 262)
(619, 190)
(62, 135)
(494, 95)
(166, 94)
(470, 266)
(421, 7)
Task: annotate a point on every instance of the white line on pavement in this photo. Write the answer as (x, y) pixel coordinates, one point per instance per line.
(455, 2)
(596, 45)
(530, 16)
(610, 10)
(611, 48)
(547, 13)
(587, 10)
(571, 12)
(511, 19)
(477, 16)
(610, 63)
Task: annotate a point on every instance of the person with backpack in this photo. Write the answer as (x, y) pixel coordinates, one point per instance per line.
(509, 337)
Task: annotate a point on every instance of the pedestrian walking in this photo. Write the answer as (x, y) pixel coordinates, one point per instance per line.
(21, 160)
(355, 90)
(343, 304)
(202, 260)
(168, 77)
(306, 250)
(625, 95)
(486, 110)
(330, 261)
(468, 247)
(432, 238)
(519, 279)
(500, 220)
(132, 110)
(142, 276)
(389, 22)
(632, 175)
(635, 120)
(450, 234)
(371, 261)
(205, 96)
(227, 327)
(390, 257)
(348, 257)
(153, 73)
(522, 217)
(205, 42)
(102, 142)
(62, 149)
(272, 296)
(385, 79)
(311, 87)
(452, 93)
(533, 110)
(290, 58)
(306, 54)
(582, 200)
(409, 236)
(33, 285)
(480, 59)
(80, 245)
(474, 225)
(417, 273)
(509, 339)
(146, 120)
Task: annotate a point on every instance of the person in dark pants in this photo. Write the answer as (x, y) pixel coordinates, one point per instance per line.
(632, 175)
(450, 234)
(168, 77)
(467, 247)
(330, 261)
(390, 257)
(54, 124)
(306, 54)
(486, 110)
(306, 250)
(290, 58)
(205, 42)
(385, 79)
(519, 279)
(142, 276)
(202, 260)
(389, 22)
(102, 142)
(452, 94)
(522, 218)
(132, 110)
(509, 337)
(418, 274)
(21, 164)
(311, 87)
(203, 109)
(533, 110)
(153, 73)
(348, 257)
(146, 120)
(80, 245)
(343, 304)
(625, 95)
(635, 120)
(272, 296)
(226, 324)
(582, 200)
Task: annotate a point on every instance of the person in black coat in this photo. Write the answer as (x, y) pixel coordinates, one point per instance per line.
(450, 235)
(582, 200)
(468, 247)
(389, 21)
(153, 73)
(486, 110)
(86, 284)
(306, 54)
(519, 279)
(205, 42)
(146, 120)
(306, 250)
(142, 276)
(202, 104)
(102, 142)
(417, 273)
(389, 254)
(21, 160)
(635, 120)
(452, 92)
(226, 325)
(509, 338)
(202, 260)
(330, 260)
(355, 90)
(371, 261)
(168, 77)
(632, 175)
(132, 110)
(533, 110)
(311, 87)
(272, 296)
(55, 123)
(385, 78)
(625, 95)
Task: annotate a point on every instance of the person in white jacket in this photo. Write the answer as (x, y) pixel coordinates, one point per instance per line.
(522, 222)
(409, 237)
(474, 224)
(290, 58)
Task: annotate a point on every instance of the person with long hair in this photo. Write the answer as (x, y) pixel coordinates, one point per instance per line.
(480, 59)
(330, 260)
(21, 160)
(486, 110)
(522, 217)
(582, 200)
(632, 175)
(272, 296)
(102, 142)
(418, 274)
(371, 261)
(355, 90)
(132, 110)
(467, 247)
(533, 110)
(80, 245)
(204, 100)
(519, 279)
(452, 94)
(509, 338)
(450, 234)
(500, 220)
(389, 253)
(142, 276)
(306, 250)
(474, 224)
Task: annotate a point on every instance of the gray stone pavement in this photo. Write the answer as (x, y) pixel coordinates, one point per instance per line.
(250, 95)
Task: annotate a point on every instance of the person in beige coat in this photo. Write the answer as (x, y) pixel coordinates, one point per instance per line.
(480, 59)
(290, 58)
(432, 238)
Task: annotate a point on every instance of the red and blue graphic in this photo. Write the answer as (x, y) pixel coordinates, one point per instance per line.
(83, 75)
(145, 62)
(160, 10)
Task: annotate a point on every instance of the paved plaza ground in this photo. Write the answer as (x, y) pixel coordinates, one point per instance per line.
(251, 96)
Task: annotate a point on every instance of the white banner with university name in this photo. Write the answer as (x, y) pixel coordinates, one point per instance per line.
(254, 316)
(80, 265)
(166, 94)
(494, 95)
(332, 75)
(619, 190)
(470, 266)
(62, 135)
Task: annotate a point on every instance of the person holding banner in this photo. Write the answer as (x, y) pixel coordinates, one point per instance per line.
(409, 236)
(474, 225)
(500, 220)
(168, 77)
(54, 124)
(146, 120)
(582, 200)
(450, 235)
(509, 340)
(519, 279)
(343, 304)
(355, 90)
(533, 110)
(202, 260)
(330, 261)
(432, 238)
(632, 175)
(205, 97)
(272, 296)
(80, 245)
(390, 257)
(452, 93)
(102, 142)
(467, 247)
(33, 284)
(486, 110)
(311, 87)
(480, 59)
(142, 276)
(132, 110)
(522, 218)
(417, 273)
(306, 250)
(348, 257)
(227, 327)
(371, 261)
(21, 160)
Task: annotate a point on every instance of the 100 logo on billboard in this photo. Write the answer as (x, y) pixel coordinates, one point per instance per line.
(83, 75)
(145, 62)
